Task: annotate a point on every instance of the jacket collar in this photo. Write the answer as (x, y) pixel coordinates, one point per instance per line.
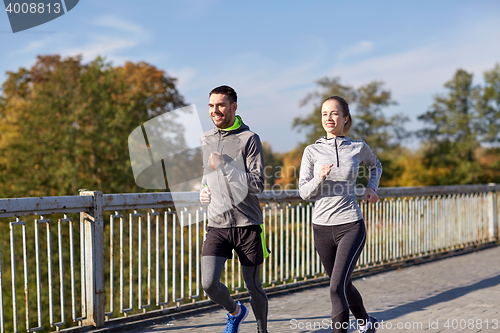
(241, 128)
(340, 140)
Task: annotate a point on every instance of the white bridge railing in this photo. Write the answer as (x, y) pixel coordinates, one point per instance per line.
(89, 260)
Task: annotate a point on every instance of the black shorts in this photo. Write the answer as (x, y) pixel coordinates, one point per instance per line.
(246, 241)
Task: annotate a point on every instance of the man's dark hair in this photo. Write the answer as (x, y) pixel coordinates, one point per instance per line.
(225, 90)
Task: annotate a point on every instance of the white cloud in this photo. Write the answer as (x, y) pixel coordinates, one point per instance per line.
(409, 72)
(33, 46)
(358, 48)
(184, 77)
(122, 25)
(36, 44)
(102, 45)
(416, 75)
(119, 35)
(423, 70)
(271, 92)
(268, 93)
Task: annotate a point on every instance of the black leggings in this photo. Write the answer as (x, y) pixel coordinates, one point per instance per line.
(339, 247)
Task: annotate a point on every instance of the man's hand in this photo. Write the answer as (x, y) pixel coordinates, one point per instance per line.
(205, 196)
(214, 160)
(325, 171)
(370, 195)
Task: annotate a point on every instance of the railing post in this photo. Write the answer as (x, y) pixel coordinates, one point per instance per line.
(94, 260)
(493, 225)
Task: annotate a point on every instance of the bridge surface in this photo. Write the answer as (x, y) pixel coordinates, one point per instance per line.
(455, 294)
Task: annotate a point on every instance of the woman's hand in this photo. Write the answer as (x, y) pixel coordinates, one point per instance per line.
(325, 171)
(370, 195)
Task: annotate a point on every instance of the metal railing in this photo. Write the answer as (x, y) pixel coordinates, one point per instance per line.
(134, 255)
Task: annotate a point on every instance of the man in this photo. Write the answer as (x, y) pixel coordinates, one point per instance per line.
(233, 177)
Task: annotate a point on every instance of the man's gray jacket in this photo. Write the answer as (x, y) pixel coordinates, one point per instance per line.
(239, 178)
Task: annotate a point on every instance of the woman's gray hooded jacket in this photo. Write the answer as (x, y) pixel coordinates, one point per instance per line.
(336, 196)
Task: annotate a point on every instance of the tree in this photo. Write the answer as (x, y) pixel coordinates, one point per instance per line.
(273, 162)
(413, 171)
(488, 106)
(383, 134)
(288, 174)
(311, 123)
(490, 163)
(452, 132)
(64, 125)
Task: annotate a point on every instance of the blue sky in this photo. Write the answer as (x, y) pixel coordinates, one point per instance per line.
(272, 52)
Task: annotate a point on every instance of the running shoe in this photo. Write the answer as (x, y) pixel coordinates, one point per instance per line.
(233, 322)
(371, 326)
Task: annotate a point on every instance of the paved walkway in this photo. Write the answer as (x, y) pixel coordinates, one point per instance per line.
(457, 294)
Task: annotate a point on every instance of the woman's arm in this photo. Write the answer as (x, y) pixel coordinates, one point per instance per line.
(308, 181)
(371, 162)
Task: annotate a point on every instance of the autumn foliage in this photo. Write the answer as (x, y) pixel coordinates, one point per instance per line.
(64, 125)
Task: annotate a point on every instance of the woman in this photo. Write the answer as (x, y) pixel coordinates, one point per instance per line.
(328, 173)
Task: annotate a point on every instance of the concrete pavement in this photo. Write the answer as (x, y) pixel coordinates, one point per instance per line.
(456, 294)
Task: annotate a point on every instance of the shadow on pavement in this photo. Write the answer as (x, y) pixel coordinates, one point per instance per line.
(445, 296)
(419, 305)
(385, 315)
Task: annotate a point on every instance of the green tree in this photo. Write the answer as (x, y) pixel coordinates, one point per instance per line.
(384, 134)
(452, 131)
(64, 125)
(488, 106)
(273, 164)
(311, 123)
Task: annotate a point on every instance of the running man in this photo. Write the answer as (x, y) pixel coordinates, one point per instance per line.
(233, 177)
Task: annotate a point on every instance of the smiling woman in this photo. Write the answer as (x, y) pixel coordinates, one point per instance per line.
(335, 120)
(328, 175)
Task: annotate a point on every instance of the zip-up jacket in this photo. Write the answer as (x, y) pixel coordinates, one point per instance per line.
(239, 178)
(335, 195)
